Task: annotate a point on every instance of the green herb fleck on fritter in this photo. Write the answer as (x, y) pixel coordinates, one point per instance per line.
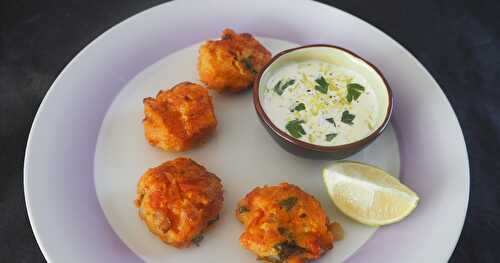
(287, 249)
(271, 259)
(288, 203)
(285, 232)
(247, 62)
(243, 209)
(213, 220)
(197, 240)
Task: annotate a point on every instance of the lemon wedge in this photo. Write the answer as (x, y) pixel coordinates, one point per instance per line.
(368, 194)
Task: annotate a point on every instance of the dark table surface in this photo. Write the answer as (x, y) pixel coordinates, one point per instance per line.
(457, 41)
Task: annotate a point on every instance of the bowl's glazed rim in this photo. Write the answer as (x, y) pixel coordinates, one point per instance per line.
(315, 147)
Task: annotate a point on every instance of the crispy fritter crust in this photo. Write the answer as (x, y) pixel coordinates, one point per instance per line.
(179, 118)
(231, 64)
(284, 224)
(178, 200)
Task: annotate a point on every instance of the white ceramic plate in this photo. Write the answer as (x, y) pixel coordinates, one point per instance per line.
(86, 149)
(242, 154)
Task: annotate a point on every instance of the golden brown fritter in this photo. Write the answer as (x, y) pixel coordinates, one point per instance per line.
(231, 63)
(178, 200)
(284, 224)
(179, 118)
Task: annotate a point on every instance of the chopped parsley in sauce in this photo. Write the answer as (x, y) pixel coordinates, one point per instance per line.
(320, 103)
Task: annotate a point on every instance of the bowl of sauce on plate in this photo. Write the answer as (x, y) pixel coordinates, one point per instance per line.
(322, 101)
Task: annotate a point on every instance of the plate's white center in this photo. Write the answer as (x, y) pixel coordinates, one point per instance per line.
(241, 153)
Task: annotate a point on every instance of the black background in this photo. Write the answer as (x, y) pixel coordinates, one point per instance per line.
(457, 41)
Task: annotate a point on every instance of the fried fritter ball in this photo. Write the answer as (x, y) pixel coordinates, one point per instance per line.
(178, 200)
(231, 63)
(179, 118)
(284, 224)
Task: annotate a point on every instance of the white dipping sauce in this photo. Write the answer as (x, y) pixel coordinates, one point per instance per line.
(320, 103)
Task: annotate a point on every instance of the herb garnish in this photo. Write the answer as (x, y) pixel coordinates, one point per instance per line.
(288, 203)
(331, 120)
(322, 85)
(330, 136)
(213, 220)
(295, 128)
(247, 62)
(271, 259)
(243, 209)
(284, 232)
(300, 106)
(287, 248)
(197, 240)
(347, 117)
(280, 87)
(354, 90)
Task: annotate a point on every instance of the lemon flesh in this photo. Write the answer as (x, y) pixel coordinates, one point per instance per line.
(368, 194)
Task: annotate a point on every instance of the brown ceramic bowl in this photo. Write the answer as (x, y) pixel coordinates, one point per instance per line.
(335, 55)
